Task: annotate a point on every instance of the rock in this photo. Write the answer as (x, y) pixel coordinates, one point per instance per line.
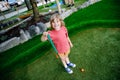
(42, 27)
(23, 36)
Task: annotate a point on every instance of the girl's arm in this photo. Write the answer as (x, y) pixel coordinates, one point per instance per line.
(44, 36)
(71, 45)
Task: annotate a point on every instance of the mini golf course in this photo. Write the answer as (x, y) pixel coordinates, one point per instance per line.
(95, 33)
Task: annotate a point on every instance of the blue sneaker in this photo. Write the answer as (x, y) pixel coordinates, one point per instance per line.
(69, 70)
(71, 65)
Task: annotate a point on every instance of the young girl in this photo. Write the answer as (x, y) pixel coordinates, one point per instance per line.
(60, 38)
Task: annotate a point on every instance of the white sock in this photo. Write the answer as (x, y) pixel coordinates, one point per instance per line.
(65, 66)
(68, 62)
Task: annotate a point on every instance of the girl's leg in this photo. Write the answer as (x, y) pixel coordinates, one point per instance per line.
(64, 63)
(66, 57)
(68, 61)
(62, 57)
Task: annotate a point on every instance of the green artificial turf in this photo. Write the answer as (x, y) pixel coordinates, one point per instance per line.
(97, 50)
(104, 10)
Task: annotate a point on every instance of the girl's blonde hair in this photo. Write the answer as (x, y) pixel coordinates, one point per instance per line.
(54, 16)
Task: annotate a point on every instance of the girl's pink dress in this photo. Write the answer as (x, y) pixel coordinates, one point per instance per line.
(60, 40)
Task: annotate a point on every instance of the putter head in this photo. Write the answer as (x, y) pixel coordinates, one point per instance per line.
(57, 56)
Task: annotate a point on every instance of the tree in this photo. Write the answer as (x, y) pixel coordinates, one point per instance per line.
(35, 10)
(28, 5)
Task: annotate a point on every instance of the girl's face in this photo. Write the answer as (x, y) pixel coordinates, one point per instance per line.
(56, 24)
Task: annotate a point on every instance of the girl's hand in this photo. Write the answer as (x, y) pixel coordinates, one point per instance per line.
(45, 33)
(44, 36)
